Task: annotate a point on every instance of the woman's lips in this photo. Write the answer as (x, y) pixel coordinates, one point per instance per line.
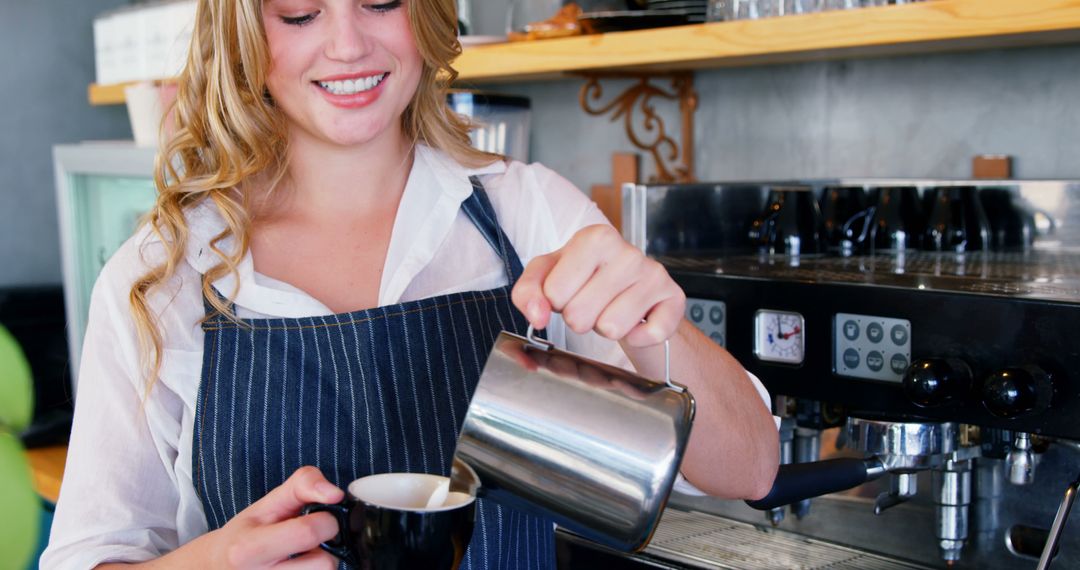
(351, 91)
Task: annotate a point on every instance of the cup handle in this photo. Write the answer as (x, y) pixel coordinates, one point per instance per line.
(866, 216)
(338, 547)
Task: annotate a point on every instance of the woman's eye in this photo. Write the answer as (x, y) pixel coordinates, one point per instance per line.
(385, 6)
(299, 20)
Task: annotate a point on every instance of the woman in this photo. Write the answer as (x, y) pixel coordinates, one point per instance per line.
(326, 267)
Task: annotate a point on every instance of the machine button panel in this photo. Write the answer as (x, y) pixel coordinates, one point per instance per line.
(851, 329)
(870, 347)
(875, 332)
(710, 317)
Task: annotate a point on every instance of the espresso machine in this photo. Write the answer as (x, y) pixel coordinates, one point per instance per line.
(918, 339)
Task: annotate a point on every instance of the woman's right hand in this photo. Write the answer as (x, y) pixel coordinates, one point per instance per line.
(268, 532)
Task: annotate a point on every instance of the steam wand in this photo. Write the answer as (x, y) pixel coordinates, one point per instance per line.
(1050, 549)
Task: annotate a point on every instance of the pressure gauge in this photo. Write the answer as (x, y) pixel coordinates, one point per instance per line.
(779, 336)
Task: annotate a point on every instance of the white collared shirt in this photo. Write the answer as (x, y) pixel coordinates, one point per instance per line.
(127, 493)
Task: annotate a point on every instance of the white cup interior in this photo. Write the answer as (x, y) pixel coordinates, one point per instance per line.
(404, 491)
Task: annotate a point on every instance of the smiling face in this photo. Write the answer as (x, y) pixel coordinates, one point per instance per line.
(342, 71)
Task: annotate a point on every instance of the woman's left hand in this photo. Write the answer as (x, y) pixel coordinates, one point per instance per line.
(598, 281)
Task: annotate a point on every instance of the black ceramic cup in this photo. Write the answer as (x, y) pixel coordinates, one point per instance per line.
(385, 524)
(957, 221)
(791, 223)
(1012, 227)
(847, 214)
(899, 221)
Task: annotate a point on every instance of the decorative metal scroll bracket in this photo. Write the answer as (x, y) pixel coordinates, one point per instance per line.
(674, 162)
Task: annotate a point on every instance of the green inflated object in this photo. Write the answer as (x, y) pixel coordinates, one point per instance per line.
(16, 388)
(22, 507)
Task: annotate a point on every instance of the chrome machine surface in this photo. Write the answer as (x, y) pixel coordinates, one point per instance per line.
(930, 357)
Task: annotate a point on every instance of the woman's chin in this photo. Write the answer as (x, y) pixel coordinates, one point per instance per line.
(356, 137)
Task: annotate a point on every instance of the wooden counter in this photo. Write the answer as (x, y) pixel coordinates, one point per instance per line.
(47, 465)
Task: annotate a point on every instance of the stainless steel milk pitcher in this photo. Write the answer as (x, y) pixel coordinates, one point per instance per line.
(591, 446)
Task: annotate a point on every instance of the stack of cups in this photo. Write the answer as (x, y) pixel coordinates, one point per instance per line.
(754, 9)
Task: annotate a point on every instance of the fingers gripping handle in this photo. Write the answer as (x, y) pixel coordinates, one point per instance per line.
(338, 546)
(542, 344)
(798, 481)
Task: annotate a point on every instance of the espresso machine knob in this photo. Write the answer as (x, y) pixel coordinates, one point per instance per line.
(931, 382)
(1017, 392)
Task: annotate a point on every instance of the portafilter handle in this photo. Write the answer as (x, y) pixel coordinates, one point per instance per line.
(799, 481)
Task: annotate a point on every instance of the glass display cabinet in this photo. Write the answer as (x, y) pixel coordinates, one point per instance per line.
(102, 191)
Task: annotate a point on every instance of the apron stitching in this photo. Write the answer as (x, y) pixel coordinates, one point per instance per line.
(232, 431)
(412, 386)
(446, 371)
(245, 440)
(300, 404)
(367, 402)
(352, 400)
(285, 385)
(382, 401)
(266, 414)
(335, 416)
(431, 389)
(229, 326)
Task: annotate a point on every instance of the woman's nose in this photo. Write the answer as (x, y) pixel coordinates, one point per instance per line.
(348, 41)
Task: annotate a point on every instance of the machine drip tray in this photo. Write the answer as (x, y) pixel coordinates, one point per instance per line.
(707, 541)
(697, 540)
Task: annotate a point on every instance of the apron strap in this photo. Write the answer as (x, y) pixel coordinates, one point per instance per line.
(213, 317)
(479, 209)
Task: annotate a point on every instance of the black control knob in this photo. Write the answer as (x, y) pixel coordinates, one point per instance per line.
(1017, 391)
(930, 382)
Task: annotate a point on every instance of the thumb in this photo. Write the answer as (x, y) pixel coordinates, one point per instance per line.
(306, 485)
(528, 293)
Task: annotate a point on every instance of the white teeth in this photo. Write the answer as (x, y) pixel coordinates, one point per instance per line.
(352, 86)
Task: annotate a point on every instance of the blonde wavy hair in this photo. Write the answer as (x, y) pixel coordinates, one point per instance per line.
(230, 140)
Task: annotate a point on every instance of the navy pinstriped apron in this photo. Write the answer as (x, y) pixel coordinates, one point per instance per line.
(374, 391)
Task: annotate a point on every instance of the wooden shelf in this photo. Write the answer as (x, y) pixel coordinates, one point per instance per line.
(939, 25)
(113, 94)
(926, 27)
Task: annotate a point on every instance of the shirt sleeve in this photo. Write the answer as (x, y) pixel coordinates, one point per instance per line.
(118, 501)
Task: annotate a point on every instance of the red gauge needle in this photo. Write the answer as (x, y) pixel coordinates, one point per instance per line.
(785, 336)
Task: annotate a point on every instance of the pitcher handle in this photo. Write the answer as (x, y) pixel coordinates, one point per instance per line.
(667, 369)
(542, 344)
(537, 342)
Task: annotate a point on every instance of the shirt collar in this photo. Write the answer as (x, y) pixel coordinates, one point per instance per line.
(436, 187)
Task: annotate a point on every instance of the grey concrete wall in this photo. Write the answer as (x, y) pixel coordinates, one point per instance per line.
(47, 58)
(910, 116)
